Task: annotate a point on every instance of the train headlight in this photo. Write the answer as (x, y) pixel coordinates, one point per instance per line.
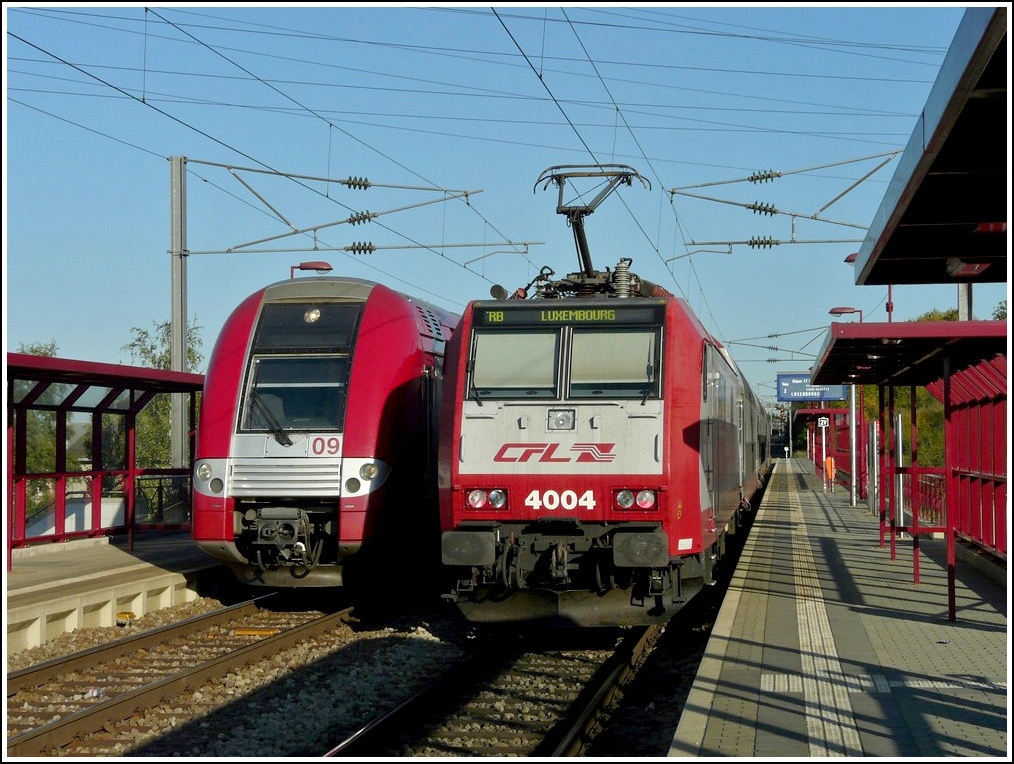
(625, 499)
(646, 499)
(363, 476)
(560, 419)
(205, 481)
(479, 498)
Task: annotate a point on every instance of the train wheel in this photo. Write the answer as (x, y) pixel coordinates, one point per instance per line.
(504, 567)
(517, 574)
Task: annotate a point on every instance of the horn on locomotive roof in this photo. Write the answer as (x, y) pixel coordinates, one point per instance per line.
(576, 213)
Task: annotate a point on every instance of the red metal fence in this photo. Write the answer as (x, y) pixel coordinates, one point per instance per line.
(915, 499)
(55, 502)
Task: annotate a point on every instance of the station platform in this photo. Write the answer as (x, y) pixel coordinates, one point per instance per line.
(826, 647)
(56, 588)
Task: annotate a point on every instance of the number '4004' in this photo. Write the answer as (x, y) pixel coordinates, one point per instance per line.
(560, 500)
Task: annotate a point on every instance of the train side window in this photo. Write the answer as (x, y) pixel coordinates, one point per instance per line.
(515, 364)
(705, 383)
(614, 364)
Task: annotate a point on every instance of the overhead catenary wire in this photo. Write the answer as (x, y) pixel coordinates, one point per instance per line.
(621, 109)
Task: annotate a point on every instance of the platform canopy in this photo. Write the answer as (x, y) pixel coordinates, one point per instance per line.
(42, 382)
(905, 353)
(943, 218)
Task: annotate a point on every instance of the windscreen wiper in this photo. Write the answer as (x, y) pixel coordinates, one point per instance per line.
(273, 424)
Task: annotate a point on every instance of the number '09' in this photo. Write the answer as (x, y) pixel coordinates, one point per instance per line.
(321, 446)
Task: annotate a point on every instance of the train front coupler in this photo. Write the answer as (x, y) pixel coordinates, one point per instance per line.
(282, 536)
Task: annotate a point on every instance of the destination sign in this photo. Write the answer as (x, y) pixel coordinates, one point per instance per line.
(555, 313)
(797, 387)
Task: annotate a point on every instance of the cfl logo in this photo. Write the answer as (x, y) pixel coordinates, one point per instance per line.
(546, 452)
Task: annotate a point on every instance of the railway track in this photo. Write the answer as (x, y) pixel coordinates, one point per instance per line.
(351, 684)
(224, 684)
(83, 704)
(512, 698)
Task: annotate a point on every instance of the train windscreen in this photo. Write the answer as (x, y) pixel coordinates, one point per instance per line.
(515, 364)
(614, 363)
(299, 367)
(567, 362)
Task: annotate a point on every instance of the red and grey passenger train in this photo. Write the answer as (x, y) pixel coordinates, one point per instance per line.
(597, 446)
(316, 447)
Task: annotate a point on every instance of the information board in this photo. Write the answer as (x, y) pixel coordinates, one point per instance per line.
(797, 387)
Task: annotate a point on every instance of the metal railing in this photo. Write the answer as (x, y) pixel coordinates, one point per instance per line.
(61, 506)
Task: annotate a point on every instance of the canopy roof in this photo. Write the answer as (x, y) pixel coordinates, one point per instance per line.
(44, 382)
(944, 217)
(905, 353)
(943, 220)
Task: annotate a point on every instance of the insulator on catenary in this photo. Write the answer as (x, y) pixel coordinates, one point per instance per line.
(361, 217)
(762, 209)
(361, 248)
(763, 176)
(763, 242)
(621, 278)
(360, 183)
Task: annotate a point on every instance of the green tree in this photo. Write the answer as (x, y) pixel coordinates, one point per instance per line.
(929, 414)
(40, 438)
(929, 411)
(40, 449)
(44, 349)
(951, 314)
(114, 449)
(153, 349)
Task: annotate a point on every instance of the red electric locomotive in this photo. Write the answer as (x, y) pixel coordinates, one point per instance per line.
(315, 459)
(598, 445)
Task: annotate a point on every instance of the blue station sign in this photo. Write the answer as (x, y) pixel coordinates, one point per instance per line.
(797, 387)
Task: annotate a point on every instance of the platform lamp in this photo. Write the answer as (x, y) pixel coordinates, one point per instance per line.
(843, 311)
(313, 265)
(853, 426)
(890, 303)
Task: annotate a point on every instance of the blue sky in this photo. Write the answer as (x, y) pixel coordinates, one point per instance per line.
(427, 102)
